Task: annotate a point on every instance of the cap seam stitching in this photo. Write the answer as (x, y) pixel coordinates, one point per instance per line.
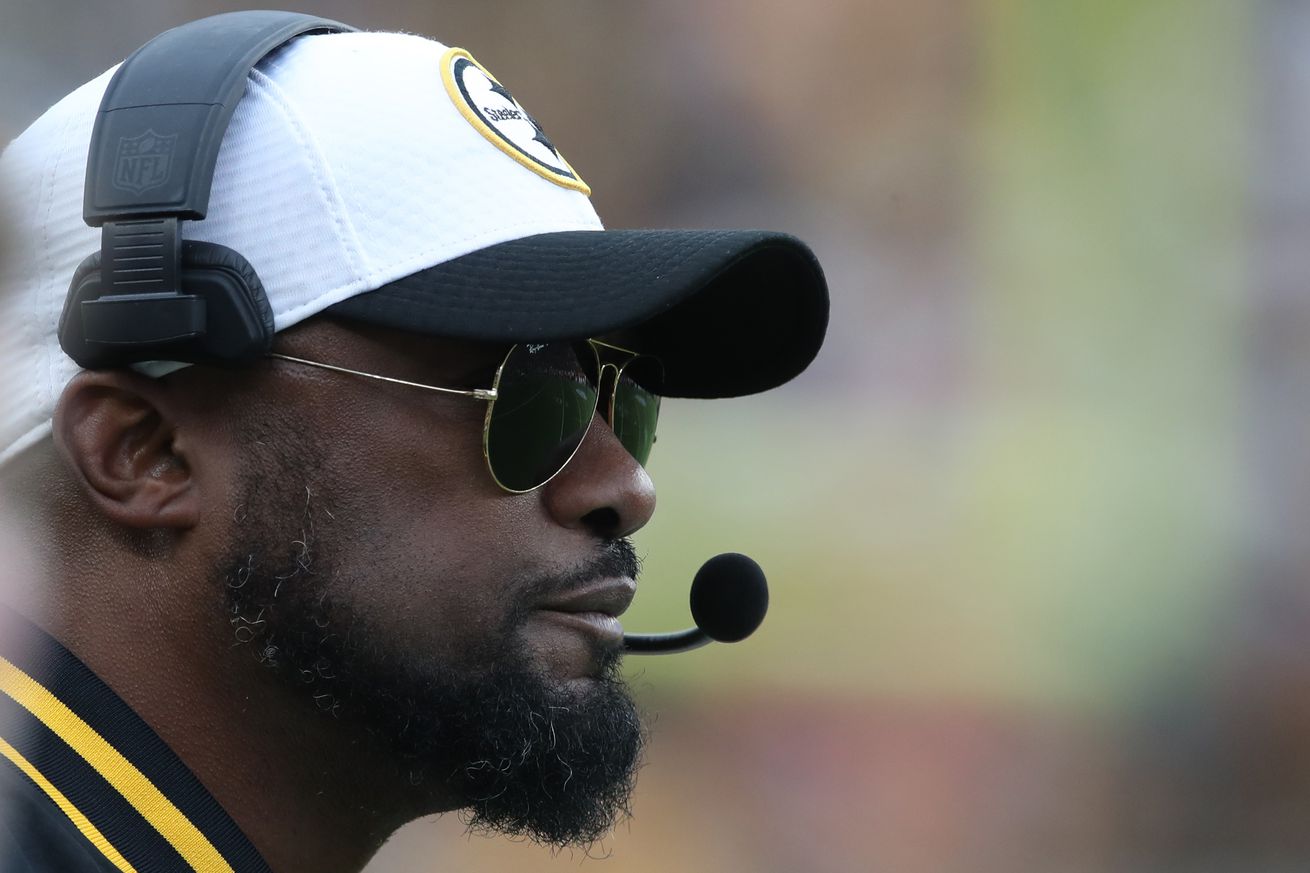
(367, 279)
(346, 232)
(471, 303)
(48, 192)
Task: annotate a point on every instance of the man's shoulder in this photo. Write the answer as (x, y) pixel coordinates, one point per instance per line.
(83, 773)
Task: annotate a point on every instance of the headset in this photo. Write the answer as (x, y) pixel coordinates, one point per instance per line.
(148, 294)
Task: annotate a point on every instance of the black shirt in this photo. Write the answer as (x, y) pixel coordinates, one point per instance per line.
(87, 787)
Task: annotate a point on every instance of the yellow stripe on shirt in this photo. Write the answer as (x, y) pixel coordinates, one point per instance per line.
(119, 772)
(81, 822)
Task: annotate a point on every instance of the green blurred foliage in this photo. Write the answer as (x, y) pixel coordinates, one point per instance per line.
(1068, 531)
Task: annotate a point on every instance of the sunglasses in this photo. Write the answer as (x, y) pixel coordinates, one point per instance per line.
(543, 400)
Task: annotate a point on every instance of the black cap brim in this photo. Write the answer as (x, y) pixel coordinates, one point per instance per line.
(729, 312)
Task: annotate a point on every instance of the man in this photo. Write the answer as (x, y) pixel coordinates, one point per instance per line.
(373, 570)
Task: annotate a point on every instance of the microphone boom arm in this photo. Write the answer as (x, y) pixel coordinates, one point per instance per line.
(729, 598)
(665, 644)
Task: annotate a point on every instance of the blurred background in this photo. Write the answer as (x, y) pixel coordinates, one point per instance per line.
(1035, 521)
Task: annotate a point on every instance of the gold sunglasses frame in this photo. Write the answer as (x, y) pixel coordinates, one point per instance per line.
(599, 349)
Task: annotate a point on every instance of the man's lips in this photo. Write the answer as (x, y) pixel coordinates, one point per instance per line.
(607, 596)
(594, 608)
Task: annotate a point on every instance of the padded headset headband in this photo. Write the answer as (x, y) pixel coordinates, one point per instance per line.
(147, 295)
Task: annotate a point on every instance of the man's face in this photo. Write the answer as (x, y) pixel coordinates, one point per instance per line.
(378, 570)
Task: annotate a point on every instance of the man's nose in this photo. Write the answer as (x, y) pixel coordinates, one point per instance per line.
(602, 489)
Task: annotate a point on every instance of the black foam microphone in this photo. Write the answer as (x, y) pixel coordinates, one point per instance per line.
(729, 598)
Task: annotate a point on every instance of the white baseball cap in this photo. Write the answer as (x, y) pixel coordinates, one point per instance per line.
(391, 179)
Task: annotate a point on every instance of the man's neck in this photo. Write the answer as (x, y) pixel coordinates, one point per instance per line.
(306, 792)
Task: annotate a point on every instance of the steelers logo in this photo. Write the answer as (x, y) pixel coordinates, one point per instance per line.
(493, 112)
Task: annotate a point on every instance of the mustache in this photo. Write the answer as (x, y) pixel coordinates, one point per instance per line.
(617, 558)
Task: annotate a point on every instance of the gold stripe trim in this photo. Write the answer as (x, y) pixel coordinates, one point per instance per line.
(119, 772)
(74, 814)
(573, 182)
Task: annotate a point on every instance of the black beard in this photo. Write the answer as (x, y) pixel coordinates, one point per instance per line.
(528, 757)
(558, 770)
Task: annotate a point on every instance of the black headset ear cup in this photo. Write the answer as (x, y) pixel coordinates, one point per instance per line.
(88, 269)
(206, 259)
(237, 315)
(187, 81)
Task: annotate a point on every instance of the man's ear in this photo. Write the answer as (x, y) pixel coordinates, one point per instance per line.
(121, 446)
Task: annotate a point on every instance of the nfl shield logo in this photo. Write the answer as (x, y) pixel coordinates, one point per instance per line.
(143, 161)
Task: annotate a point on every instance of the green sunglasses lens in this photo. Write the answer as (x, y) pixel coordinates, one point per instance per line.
(545, 403)
(637, 407)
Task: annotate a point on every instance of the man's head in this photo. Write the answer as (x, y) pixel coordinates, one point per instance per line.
(348, 539)
(331, 548)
